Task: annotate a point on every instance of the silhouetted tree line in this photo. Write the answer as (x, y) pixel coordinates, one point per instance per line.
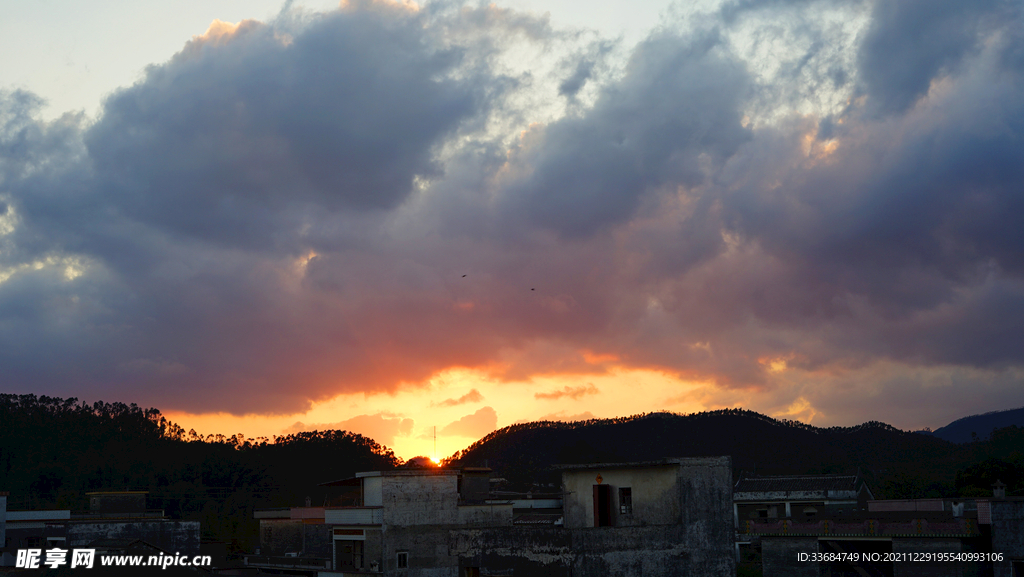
(896, 464)
(53, 450)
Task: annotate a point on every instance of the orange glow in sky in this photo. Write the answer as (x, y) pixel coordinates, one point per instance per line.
(465, 405)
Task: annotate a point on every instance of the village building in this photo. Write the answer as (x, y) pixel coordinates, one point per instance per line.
(801, 496)
(1003, 517)
(669, 518)
(758, 498)
(115, 520)
(940, 537)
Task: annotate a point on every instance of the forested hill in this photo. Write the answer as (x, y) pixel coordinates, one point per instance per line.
(53, 450)
(979, 427)
(901, 463)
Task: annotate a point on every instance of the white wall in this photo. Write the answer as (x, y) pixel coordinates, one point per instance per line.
(654, 490)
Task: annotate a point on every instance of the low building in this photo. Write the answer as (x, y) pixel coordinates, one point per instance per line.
(393, 522)
(1003, 517)
(294, 540)
(667, 518)
(112, 515)
(882, 540)
(37, 529)
(796, 496)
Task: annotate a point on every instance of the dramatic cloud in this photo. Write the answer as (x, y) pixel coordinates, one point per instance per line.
(910, 43)
(472, 426)
(673, 116)
(473, 396)
(185, 227)
(381, 427)
(790, 201)
(574, 393)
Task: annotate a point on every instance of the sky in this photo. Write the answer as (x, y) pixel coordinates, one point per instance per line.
(401, 218)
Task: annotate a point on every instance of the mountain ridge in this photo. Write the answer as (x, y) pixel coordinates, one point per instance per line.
(756, 443)
(980, 426)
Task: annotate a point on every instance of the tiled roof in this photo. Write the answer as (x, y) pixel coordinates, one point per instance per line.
(797, 483)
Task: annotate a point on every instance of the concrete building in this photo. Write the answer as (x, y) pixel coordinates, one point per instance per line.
(1003, 517)
(899, 528)
(772, 518)
(890, 538)
(394, 523)
(112, 515)
(796, 496)
(667, 518)
(37, 529)
(292, 531)
(760, 498)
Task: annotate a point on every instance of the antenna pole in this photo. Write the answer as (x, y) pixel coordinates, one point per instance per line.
(435, 443)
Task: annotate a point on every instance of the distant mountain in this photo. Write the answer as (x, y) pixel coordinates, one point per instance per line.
(757, 443)
(960, 430)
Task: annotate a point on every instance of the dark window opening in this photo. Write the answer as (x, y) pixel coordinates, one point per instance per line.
(349, 554)
(403, 560)
(602, 506)
(626, 501)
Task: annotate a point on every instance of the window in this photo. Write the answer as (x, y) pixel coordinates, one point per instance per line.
(403, 559)
(626, 501)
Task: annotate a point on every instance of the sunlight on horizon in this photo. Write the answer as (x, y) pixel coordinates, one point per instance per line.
(460, 417)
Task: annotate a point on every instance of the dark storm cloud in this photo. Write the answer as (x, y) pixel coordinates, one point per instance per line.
(910, 43)
(913, 223)
(678, 101)
(217, 142)
(288, 211)
(197, 199)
